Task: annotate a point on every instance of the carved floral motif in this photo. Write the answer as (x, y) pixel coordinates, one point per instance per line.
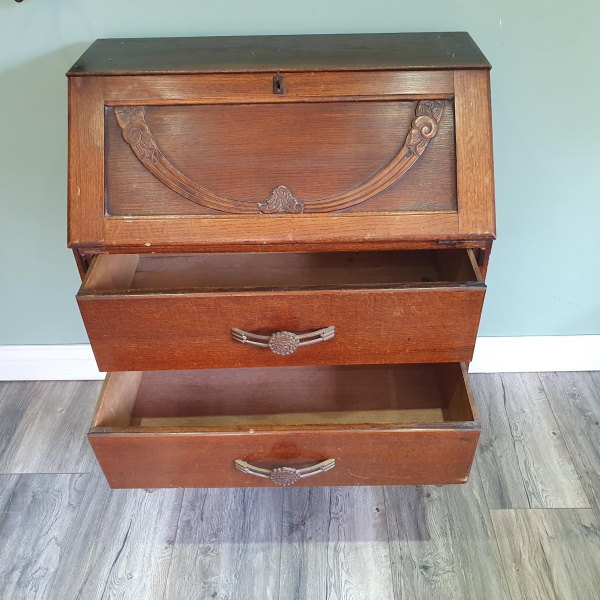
(424, 127)
(282, 200)
(136, 132)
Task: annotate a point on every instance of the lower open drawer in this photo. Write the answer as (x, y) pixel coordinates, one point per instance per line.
(381, 424)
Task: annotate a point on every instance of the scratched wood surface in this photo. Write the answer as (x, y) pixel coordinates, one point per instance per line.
(520, 528)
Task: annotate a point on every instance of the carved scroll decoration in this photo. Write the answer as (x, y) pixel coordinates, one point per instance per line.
(136, 132)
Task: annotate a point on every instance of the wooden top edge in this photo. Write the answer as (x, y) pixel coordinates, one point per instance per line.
(454, 426)
(286, 53)
(276, 245)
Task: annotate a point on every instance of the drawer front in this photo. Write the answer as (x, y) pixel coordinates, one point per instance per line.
(194, 331)
(381, 425)
(402, 457)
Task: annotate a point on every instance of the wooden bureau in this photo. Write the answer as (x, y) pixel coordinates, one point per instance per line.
(283, 242)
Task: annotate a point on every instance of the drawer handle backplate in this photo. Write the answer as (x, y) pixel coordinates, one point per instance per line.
(283, 342)
(285, 475)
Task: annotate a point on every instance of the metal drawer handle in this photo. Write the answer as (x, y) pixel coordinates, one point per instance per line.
(283, 342)
(284, 475)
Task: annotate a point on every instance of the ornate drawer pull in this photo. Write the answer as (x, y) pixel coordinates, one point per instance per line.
(283, 342)
(284, 475)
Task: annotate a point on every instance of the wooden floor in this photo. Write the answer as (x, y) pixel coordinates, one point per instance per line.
(524, 527)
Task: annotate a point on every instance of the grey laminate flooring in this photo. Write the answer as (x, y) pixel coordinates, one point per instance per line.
(524, 527)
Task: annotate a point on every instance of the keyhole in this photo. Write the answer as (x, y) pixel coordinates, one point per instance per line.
(278, 84)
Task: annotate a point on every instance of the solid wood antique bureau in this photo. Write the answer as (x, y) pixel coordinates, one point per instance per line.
(283, 242)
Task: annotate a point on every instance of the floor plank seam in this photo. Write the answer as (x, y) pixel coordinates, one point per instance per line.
(71, 526)
(283, 494)
(574, 462)
(501, 556)
(514, 444)
(387, 530)
(493, 532)
(175, 534)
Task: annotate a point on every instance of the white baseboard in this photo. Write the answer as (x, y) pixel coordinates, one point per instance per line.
(536, 353)
(492, 355)
(24, 363)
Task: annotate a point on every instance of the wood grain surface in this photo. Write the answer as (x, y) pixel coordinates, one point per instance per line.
(236, 553)
(247, 231)
(339, 553)
(183, 452)
(36, 517)
(276, 271)
(257, 88)
(86, 162)
(43, 426)
(535, 452)
(245, 151)
(320, 126)
(575, 402)
(277, 52)
(548, 473)
(474, 153)
(120, 544)
(496, 453)
(442, 543)
(379, 316)
(549, 553)
(304, 571)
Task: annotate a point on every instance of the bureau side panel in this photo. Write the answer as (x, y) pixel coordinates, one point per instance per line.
(474, 153)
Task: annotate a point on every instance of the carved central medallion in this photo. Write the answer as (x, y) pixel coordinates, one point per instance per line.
(281, 200)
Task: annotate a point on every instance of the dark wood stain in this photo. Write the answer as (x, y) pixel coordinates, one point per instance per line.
(241, 54)
(283, 183)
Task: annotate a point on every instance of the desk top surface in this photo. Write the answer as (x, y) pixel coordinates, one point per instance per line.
(251, 54)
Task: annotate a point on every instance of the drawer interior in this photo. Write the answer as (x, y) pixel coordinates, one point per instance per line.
(271, 271)
(365, 396)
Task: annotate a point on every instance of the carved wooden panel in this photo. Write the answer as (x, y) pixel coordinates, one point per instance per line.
(265, 159)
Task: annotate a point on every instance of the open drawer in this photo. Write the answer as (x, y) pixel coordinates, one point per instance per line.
(358, 425)
(172, 311)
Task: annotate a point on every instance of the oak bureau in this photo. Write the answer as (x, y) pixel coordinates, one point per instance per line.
(283, 242)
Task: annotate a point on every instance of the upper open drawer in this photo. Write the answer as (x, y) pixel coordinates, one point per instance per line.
(218, 310)
(280, 157)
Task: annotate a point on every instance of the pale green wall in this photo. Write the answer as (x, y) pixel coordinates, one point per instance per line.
(545, 275)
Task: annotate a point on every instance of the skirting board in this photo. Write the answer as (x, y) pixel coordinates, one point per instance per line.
(492, 355)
